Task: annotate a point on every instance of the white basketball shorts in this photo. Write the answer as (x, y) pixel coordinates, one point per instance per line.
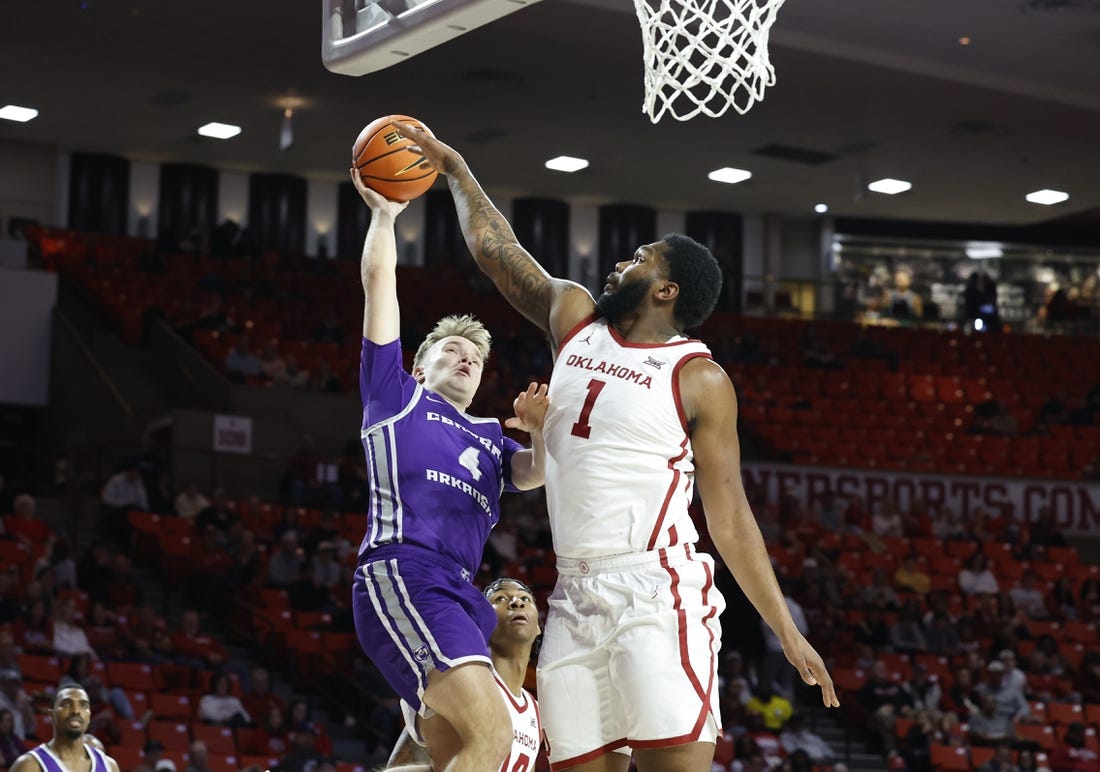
(629, 655)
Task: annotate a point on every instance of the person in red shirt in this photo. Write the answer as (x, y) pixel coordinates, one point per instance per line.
(24, 526)
(1073, 755)
(194, 648)
(260, 700)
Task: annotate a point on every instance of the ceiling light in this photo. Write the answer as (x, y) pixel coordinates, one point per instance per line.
(219, 130)
(979, 251)
(889, 186)
(1047, 197)
(17, 113)
(964, 41)
(566, 163)
(729, 175)
(821, 208)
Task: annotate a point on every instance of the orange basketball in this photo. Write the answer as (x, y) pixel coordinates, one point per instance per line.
(387, 165)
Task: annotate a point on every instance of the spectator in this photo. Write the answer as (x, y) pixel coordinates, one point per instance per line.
(69, 638)
(8, 658)
(1045, 531)
(910, 577)
(326, 380)
(271, 363)
(796, 737)
(988, 727)
(976, 578)
(992, 417)
(886, 522)
(220, 707)
(1087, 682)
(194, 648)
(941, 635)
(191, 501)
(58, 559)
(24, 525)
(872, 630)
(293, 376)
(34, 629)
(961, 696)
(326, 570)
(15, 700)
(884, 701)
(1073, 755)
(149, 638)
(773, 708)
(271, 740)
(198, 757)
(1002, 760)
(924, 692)
(218, 515)
(1013, 676)
(285, 564)
(1028, 598)
(299, 720)
(1007, 698)
(259, 699)
(906, 634)
(241, 363)
(11, 746)
(125, 490)
(879, 594)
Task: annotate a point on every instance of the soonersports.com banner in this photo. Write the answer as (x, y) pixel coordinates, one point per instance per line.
(1076, 505)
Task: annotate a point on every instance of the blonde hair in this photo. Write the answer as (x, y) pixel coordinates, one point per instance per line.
(461, 326)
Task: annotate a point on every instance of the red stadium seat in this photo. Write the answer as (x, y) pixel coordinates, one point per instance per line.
(175, 707)
(218, 739)
(132, 676)
(173, 734)
(950, 757)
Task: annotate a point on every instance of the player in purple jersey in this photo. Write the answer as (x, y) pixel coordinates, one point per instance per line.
(436, 475)
(67, 752)
(513, 645)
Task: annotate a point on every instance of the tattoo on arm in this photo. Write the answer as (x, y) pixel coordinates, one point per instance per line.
(515, 272)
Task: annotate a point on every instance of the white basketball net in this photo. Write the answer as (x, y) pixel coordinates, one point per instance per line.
(705, 56)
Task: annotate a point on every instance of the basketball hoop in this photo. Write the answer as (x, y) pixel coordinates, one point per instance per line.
(705, 56)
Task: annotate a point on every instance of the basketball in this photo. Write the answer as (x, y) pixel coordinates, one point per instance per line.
(387, 165)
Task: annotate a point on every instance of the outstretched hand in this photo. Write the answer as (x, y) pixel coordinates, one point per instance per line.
(443, 158)
(812, 669)
(375, 200)
(530, 407)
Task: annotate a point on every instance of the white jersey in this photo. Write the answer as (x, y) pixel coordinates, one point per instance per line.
(619, 468)
(526, 729)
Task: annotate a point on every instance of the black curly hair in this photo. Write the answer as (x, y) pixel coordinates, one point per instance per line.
(693, 268)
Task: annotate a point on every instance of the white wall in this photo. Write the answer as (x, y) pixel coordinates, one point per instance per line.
(144, 200)
(27, 299)
(233, 197)
(28, 184)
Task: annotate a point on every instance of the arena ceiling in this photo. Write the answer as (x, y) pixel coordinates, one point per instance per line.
(879, 89)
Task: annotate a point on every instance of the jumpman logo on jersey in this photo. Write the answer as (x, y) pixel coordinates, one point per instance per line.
(587, 340)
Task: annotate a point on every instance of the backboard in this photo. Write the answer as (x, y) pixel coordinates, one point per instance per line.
(362, 36)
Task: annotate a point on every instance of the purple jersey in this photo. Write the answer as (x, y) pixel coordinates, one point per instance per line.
(436, 474)
(51, 763)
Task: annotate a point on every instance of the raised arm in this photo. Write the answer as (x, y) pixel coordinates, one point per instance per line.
(554, 305)
(711, 406)
(378, 267)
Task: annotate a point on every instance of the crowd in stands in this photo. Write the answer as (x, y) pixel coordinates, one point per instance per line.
(956, 642)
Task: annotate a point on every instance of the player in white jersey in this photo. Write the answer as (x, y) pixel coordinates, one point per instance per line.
(511, 646)
(629, 658)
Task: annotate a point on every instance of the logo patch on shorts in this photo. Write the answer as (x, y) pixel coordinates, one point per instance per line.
(421, 653)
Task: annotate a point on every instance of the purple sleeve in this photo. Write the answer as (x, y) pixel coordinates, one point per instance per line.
(510, 448)
(383, 383)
